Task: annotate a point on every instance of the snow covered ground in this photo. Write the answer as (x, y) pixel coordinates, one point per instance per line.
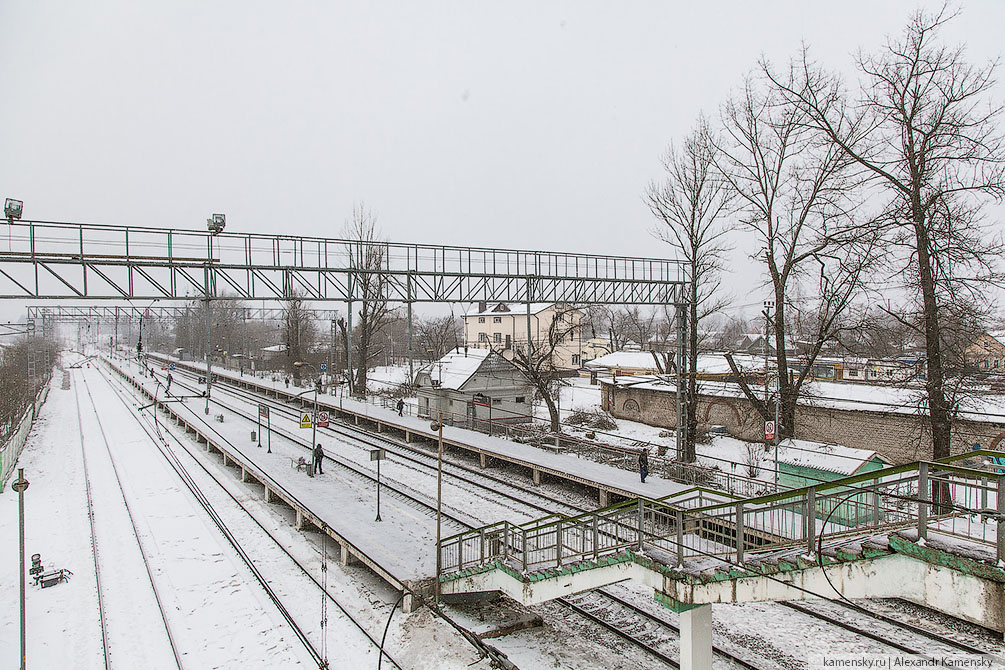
(219, 617)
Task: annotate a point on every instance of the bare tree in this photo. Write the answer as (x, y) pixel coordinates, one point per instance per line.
(690, 203)
(368, 256)
(300, 330)
(538, 361)
(795, 195)
(438, 335)
(922, 126)
(17, 387)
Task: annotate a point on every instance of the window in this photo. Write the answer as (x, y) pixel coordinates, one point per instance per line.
(521, 399)
(481, 319)
(496, 319)
(575, 359)
(497, 337)
(496, 401)
(482, 337)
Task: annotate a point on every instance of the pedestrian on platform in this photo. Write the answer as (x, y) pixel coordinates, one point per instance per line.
(319, 456)
(401, 406)
(644, 464)
(287, 382)
(168, 387)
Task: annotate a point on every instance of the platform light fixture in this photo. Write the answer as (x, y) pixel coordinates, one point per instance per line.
(216, 224)
(12, 209)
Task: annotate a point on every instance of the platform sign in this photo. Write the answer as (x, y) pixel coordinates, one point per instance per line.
(324, 367)
(769, 430)
(305, 421)
(322, 419)
(377, 454)
(263, 411)
(171, 366)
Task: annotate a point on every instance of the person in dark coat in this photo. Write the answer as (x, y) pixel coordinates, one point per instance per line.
(401, 406)
(287, 382)
(319, 456)
(644, 464)
(168, 387)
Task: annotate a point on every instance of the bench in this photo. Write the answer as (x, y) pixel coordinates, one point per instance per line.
(53, 577)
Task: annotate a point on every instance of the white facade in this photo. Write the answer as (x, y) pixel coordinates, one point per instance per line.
(502, 327)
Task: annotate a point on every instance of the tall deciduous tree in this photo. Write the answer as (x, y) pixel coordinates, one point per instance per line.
(923, 127)
(538, 360)
(795, 195)
(368, 256)
(691, 204)
(300, 330)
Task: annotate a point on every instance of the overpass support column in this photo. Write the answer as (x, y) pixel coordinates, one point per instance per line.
(696, 638)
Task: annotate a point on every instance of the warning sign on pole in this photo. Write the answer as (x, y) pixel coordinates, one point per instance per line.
(263, 411)
(305, 421)
(322, 419)
(769, 430)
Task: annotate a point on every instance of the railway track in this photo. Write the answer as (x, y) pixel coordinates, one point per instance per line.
(598, 617)
(401, 489)
(123, 392)
(548, 505)
(171, 458)
(109, 637)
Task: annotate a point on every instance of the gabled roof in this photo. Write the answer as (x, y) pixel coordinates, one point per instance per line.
(830, 457)
(517, 308)
(456, 368)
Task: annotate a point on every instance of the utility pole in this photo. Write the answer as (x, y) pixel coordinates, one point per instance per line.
(331, 351)
(439, 505)
(681, 318)
(20, 485)
(348, 347)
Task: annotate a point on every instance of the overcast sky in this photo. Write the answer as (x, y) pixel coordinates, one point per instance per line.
(518, 124)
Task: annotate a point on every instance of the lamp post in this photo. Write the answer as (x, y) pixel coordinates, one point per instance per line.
(215, 225)
(314, 420)
(20, 485)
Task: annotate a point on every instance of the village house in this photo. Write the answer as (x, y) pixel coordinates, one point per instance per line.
(474, 387)
(502, 327)
(987, 353)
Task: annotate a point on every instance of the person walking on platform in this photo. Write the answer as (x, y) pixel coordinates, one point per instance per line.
(644, 464)
(401, 406)
(287, 382)
(319, 456)
(167, 389)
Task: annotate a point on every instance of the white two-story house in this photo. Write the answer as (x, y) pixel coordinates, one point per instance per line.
(502, 327)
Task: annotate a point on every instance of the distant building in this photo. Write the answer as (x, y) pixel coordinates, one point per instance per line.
(274, 352)
(473, 387)
(987, 353)
(710, 366)
(502, 327)
(595, 347)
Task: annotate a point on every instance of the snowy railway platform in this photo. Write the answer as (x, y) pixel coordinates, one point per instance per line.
(399, 549)
(607, 480)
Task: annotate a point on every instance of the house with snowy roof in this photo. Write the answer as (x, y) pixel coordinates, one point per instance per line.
(474, 387)
(503, 327)
(804, 463)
